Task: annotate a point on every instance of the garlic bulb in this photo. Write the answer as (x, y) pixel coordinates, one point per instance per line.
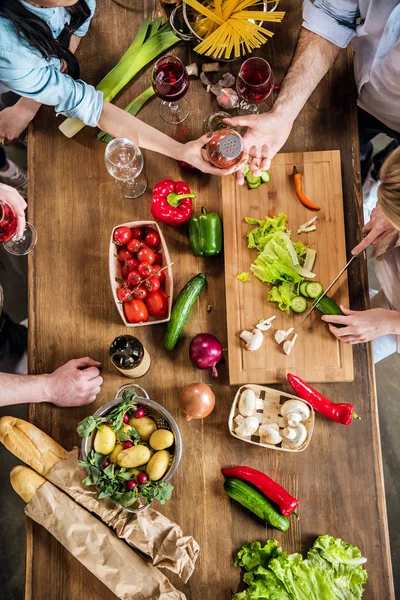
(294, 437)
(247, 403)
(295, 411)
(270, 434)
(247, 427)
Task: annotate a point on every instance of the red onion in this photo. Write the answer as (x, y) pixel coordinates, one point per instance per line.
(205, 352)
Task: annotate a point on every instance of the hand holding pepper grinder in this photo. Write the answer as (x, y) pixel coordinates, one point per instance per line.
(225, 148)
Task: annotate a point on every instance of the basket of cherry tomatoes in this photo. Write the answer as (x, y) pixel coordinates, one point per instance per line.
(141, 273)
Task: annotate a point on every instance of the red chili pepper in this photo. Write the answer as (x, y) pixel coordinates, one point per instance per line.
(267, 486)
(341, 413)
(172, 202)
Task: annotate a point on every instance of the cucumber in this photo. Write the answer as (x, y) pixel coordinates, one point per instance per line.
(302, 289)
(329, 307)
(246, 169)
(181, 310)
(252, 179)
(254, 186)
(254, 501)
(314, 289)
(265, 176)
(298, 304)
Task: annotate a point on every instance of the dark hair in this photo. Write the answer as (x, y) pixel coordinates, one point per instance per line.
(36, 31)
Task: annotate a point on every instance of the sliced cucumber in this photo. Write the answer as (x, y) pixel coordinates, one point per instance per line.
(265, 176)
(314, 289)
(254, 186)
(252, 179)
(246, 169)
(298, 304)
(302, 289)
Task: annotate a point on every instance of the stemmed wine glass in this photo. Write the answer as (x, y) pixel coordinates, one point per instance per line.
(124, 161)
(171, 82)
(254, 84)
(18, 245)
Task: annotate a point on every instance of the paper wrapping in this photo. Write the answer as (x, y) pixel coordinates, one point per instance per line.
(148, 531)
(124, 572)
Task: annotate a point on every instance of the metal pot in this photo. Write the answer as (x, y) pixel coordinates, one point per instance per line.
(163, 420)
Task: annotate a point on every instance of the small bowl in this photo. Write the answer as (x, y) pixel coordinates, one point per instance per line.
(163, 420)
(115, 273)
(273, 401)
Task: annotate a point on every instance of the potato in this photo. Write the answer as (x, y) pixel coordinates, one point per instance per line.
(105, 439)
(135, 456)
(135, 471)
(158, 465)
(144, 426)
(114, 454)
(161, 439)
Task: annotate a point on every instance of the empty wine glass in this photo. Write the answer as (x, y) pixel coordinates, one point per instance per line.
(254, 84)
(124, 162)
(171, 82)
(18, 245)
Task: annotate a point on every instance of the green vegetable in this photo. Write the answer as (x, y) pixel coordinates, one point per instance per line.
(254, 186)
(252, 179)
(181, 310)
(115, 417)
(205, 233)
(314, 289)
(129, 436)
(332, 571)
(265, 176)
(302, 289)
(282, 295)
(327, 306)
(243, 277)
(256, 502)
(298, 304)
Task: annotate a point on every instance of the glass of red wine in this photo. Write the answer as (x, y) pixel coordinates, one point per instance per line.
(254, 84)
(171, 82)
(18, 245)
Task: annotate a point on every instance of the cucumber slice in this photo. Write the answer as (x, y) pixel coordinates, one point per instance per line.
(265, 176)
(246, 169)
(314, 289)
(302, 289)
(252, 178)
(254, 186)
(298, 304)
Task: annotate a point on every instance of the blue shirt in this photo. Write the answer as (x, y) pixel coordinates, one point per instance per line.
(25, 71)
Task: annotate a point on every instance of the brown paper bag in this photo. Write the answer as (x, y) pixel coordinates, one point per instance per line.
(149, 531)
(125, 573)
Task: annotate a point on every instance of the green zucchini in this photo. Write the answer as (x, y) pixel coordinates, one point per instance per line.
(329, 307)
(302, 289)
(181, 310)
(254, 501)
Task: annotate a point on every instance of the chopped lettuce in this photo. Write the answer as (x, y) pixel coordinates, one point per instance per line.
(282, 295)
(332, 571)
(243, 277)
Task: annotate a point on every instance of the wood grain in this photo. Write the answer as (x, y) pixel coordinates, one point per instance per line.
(74, 205)
(317, 355)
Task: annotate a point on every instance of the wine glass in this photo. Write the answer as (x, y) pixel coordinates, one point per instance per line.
(254, 84)
(171, 82)
(18, 245)
(124, 162)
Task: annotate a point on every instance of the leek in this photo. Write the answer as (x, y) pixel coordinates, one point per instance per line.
(310, 259)
(138, 55)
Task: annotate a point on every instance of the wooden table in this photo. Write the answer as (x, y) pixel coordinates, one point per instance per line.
(74, 205)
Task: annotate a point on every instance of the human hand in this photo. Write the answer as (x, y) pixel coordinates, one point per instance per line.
(74, 384)
(264, 137)
(13, 122)
(10, 196)
(194, 153)
(376, 228)
(363, 326)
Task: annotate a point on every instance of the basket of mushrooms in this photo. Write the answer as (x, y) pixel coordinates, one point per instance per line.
(266, 417)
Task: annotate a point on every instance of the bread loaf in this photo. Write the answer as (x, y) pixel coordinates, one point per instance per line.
(30, 444)
(25, 482)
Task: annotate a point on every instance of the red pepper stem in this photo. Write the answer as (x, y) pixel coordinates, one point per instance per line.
(175, 199)
(355, 416)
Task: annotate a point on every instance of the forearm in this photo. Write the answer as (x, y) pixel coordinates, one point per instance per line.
(119, 123)
(313, 58)
(21, 389)
(393, 322)
(74, 43)
(29, 107)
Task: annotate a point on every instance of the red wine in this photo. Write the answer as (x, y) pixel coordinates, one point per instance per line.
(170, 79)
(255, 81)
(8, 222)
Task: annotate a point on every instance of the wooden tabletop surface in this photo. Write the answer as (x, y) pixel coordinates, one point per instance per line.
(74, 205)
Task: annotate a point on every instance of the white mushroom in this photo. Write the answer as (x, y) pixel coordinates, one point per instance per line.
(254, 340)
(295, 411)
(282, 334)
(265, 324)
(247, 427)
(288, 345)
(294, 437)
(247, 403)
(270, 433)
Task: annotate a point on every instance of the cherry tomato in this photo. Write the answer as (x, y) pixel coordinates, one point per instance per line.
(157, 303)
(145, 269)
(146, 254)
(124, 272)
(152, 284)
(136, 311)
(157, 258)
(124, 294)
(157, 271)
(148, 230)
(137, 233)
(140, 292)
(134, 245)
(122, 235)
(134, 277)
(131, 264)
(152, 239)
(123, 254)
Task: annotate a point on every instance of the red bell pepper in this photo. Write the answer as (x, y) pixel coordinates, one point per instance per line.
(172, 202)
(267, 486)
(341, 413)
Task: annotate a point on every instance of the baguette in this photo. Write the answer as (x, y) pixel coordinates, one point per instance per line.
(30, 444)
(25, 482)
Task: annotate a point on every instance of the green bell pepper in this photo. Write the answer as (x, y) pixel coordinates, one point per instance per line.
(205, 233)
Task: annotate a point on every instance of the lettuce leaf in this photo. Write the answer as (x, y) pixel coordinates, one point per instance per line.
(283, 295)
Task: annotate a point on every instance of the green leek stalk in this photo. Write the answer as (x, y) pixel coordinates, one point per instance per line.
(137, 56)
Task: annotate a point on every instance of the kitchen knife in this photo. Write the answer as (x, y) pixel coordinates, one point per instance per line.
(315, 304)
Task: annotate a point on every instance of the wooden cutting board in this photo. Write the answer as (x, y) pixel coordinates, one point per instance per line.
(317, 354)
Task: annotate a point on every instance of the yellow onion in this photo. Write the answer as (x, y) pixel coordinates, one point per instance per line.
(197, 400)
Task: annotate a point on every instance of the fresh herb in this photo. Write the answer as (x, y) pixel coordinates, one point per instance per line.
(115, 417)
(243, 277)
(156, 490)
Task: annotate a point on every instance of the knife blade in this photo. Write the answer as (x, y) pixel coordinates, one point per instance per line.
(315, 304)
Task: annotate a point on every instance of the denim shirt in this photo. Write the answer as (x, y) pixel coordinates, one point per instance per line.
(25, 71)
